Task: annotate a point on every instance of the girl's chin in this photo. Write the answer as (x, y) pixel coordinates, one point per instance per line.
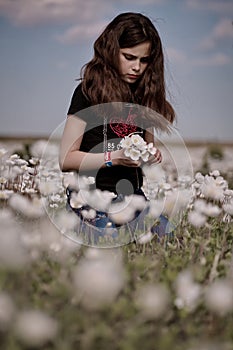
(129, 80)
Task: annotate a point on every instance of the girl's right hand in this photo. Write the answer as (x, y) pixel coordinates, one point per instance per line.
(119, 158)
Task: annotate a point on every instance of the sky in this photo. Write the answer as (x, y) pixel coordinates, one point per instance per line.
(44, 44)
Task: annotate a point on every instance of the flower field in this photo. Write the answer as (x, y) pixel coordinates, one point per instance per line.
(61, 290)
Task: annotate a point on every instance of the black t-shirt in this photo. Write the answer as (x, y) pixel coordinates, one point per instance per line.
(118, 179)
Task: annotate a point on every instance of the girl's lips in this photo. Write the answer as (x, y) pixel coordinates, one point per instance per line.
(131, 76)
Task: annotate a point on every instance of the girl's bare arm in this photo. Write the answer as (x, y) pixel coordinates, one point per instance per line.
(71, 158)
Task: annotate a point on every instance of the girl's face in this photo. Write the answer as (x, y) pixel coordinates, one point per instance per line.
(133, 62)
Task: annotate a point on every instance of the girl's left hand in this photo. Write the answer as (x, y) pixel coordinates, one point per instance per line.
(155, 158)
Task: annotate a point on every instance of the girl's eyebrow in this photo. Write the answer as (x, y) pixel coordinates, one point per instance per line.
(129, 54)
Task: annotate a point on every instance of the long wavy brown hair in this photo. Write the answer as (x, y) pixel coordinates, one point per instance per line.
(101, 81)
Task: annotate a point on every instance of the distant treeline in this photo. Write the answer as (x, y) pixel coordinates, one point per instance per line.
(189, 143)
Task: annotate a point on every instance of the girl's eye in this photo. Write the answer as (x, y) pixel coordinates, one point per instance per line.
(129, 57)
(145, 60)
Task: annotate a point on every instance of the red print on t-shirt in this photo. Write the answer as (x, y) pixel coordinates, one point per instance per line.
(123, 127)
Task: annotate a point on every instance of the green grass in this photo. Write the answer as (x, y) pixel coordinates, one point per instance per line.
(46, 285)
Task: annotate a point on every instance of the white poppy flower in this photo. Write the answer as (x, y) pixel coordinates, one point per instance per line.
(20, 162)
(145, 156)
(196, 219)
(215, 173)
(134, 154)
(228, 193)
(99, 200)
(156, 208)
(199, 205)
(34, 161)
(29, 208)
(67, 221)
(3, 151)
(14, 156)
(127, 152)
(47, 187)
(135, 201)
(121, 213)
(212, 210)
(35, 328)
(199, 178)
(219, 297)
(5, 194)
(3, 180)
(228, 208)
(154, 173)
(145, 238)
(77, 200)
(138, 141)
(126, 142)
(37, 148)
(151, 149)
(213, 188)
(176, 201)
(153, 300)
(88, 214)
(188, 292)
(98, 281)
(135, 147)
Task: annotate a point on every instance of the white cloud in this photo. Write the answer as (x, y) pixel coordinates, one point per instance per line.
(222, 31)
(31, 12)
(175, 55)
(217, 59)
(81, 32)
(221, 7)
(179, 57)
(85, 17)
(142, 2)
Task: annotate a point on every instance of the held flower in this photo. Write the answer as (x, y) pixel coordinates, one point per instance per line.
(145, 156)
(133, 153)
(138, 141)
(126, 142)
(151, 149)
(135, 147)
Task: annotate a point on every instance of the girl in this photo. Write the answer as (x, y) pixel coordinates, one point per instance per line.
(126, 72)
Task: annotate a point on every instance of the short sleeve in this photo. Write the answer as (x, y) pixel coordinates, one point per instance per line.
(78, 101)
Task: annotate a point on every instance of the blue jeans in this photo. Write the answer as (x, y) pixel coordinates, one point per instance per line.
(101, 223)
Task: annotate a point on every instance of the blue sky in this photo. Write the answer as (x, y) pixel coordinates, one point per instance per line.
(45, 43)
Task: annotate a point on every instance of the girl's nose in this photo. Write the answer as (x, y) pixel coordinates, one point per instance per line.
(136, 66)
